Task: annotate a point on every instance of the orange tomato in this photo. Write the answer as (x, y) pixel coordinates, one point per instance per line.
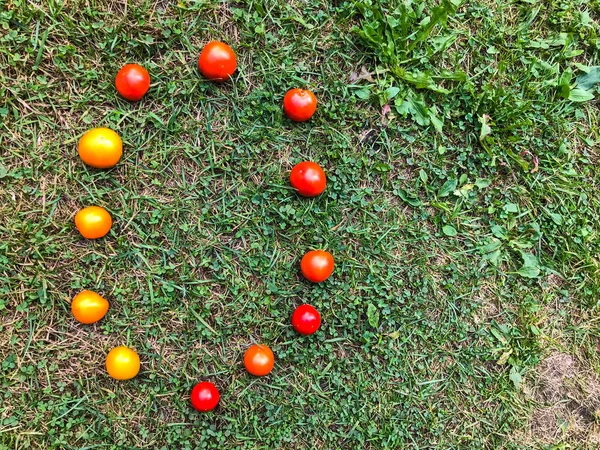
(100, 148)
(259, 360)
(122, 363)
(89, 307)
(93, 222)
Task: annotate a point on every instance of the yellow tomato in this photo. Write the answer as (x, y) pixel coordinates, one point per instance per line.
(122, 363)
(89, 307)
(100, 148)
(93, 222)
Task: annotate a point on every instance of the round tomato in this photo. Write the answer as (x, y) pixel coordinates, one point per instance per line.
(89, 307)
(317, 265)
(100, 148)
(299, 104)
(122, 363)
(217, 61)
(205, 396)
(308, 179)
(93, 222)
(306, 319)
(259, 360)
(132, 82)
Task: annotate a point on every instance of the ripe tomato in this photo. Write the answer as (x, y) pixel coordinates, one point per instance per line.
(299, 104)
(205, 396)
(89, 307)
(317, 265)
(93, 222)
(100, 148)
(132, 82)
(308, 179)
(122, 363)
(306, 319)
(259, 360)
(217, 61)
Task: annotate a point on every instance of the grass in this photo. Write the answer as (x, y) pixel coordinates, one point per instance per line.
(461, 208)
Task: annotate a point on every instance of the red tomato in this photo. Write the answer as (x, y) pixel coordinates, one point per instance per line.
(308, 179)
(299, 104)
(205, 396)
(133, 81)
(259, 360)
(217, 61)
(317, 265)
(306, 319)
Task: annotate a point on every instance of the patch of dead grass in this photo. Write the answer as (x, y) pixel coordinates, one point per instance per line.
(568, 397)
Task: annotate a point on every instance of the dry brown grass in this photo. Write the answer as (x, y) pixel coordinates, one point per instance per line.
(567, 393)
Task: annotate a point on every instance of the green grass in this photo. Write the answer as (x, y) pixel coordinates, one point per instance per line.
(460, 264)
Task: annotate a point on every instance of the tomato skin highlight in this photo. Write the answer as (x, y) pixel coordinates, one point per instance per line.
(217, 61)
(93, 222)
(122, 363)
(306, 319)
(88, 307)
(308, 178)
(259, 360)
(317, 265)
(299, 105)
(132, 82)
(101, 148)
(205, 396)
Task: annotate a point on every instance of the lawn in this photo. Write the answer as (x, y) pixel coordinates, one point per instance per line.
(460, 141)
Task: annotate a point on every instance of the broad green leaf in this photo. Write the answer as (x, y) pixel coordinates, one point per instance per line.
(530, 267)
(363, 94)
(533, 229)
(515, 377)
(446, 74)
(564, 83)
(498, 335)
(518, 243)
(565, 91)
(391, 92)
(414, 106)
(449, 230)
(579, 95)
(422, 80)
(439, 15)
(556, 218)
(441, 43)
(486, 130)
(373, 315)
(590, 79)
(499, 231)
(394, 335)
(382, 167)
(435, 121)
(411, 199)
(493, 257)
(492, 246)
(448, 187)
(482, 183)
